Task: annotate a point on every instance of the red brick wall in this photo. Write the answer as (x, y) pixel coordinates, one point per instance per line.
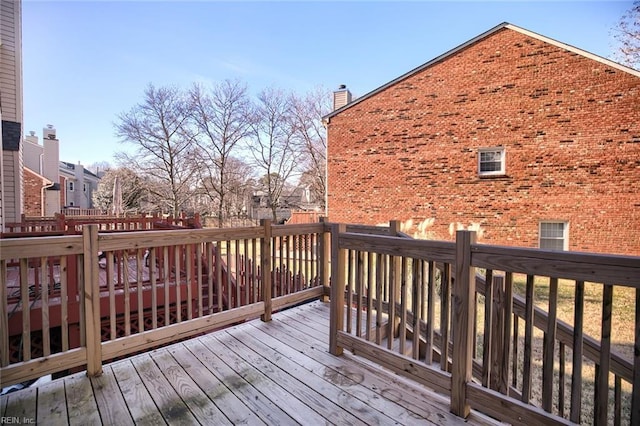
(32, 193)
(570, 126)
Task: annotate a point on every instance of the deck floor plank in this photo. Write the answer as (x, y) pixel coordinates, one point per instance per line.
(168, 401)
(411, 397)
(142, 408)
(81, 404)
(354, 379)
(314, 391)
(22, 404)
(52, 409)
(199, 404)
(280, 397)
(255, 373)
(269, 412)
(341, 404)
(111, 404)
(236, 411)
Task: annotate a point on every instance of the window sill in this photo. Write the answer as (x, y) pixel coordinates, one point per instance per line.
(496, 176)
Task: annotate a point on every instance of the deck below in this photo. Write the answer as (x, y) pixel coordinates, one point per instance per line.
(278, 372)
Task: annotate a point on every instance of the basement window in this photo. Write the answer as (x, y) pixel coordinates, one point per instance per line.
(554, 235)
(491, 161)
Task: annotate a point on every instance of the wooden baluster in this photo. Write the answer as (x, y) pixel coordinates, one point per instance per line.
(416, 305)
(394, 287)
(64, 304)
(431, 295)
(139, 287)
(528, 340)
(4, 322)
(178, 256)
(403, 306)
(488, 328)
(617, 405)
(44, 300)
(153, 277)
(561, 378)
(219, 276)
(503, 386)
(265, 265)
(514, 364)
(549, 347)
(445, 312)
(497, 346)
(635, 396)
(601, 394)
(370, 296)
(380, 260)
(167, 270)
(124, 267)
(25, 304)
(196, 250)
(350, 283)
(109, 258)
(359, 288)
(189, 280)
(576, 374)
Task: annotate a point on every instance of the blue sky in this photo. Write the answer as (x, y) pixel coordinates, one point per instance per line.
(84, 62)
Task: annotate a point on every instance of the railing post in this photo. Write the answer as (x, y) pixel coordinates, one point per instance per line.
(464, 290)
(265, 265)
(395, 227)
(338, 277)
(394, 286)
(91, 291)
(324, 256)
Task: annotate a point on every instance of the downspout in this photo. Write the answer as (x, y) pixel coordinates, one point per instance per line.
(43, 201)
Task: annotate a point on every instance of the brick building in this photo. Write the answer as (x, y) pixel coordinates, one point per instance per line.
(531, 141)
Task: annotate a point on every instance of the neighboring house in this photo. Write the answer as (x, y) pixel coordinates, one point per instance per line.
(64, 185)
(42, 161)
(36, 191)
(298, 200)
(528, 140)
(79, 185)
(11, 191)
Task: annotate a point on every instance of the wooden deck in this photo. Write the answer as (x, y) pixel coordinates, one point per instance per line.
(278, 372)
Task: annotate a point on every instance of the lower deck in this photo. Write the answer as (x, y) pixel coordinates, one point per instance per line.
(277, 372)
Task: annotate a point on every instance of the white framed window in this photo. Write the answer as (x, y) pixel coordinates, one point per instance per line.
(71, 186)
(491, 161)
(554, 235)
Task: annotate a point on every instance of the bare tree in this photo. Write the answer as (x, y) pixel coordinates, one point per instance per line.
(272, 144)
(222, 116)
(627, 34)
(99, 168)
(158, 127)
(310, 137)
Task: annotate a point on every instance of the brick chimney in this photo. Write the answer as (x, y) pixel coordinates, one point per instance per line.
(341, 97)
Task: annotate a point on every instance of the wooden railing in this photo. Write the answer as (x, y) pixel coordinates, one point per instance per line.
(72, 225)
(73, 301)
(448, 315)
(466, 319)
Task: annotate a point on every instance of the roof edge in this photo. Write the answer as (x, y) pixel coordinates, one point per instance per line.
(474, 40)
